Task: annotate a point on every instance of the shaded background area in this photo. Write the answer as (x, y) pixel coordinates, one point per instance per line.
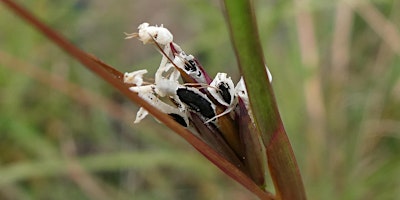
(65, 134)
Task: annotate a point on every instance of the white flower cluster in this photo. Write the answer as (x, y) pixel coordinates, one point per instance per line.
(199, 94)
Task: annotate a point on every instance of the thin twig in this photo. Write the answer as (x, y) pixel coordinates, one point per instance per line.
(378, 22)
(341, 41)
(376, 98)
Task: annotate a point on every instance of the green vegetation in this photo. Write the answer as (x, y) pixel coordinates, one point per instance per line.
(65, 134)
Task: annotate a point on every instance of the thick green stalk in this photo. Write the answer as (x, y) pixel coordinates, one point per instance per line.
(281, 161)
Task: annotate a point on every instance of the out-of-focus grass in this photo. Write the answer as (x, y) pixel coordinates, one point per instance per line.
(345, 134)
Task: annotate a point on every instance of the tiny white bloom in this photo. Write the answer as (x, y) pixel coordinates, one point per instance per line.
(222, 89)
(141, 114)
(135, 77)
(147, 93)
(146, 34)
(190, 65)
(166, 87)
(143, 89)
(241, 92)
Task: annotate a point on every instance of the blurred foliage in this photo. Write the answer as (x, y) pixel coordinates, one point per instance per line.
(68, 135)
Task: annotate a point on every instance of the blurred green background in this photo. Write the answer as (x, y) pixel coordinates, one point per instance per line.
(66, 134)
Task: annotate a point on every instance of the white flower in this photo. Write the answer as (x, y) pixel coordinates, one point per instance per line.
(147, 33)
(148, 94)
(135, 77)
(198, 97)
(222, 89)
(141, 114)
(190, 65)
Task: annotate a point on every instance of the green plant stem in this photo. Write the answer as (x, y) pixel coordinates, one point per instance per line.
(281, 161)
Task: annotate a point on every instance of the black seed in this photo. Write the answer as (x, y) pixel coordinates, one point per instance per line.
(178, 119)
(224, 91)
(196, 102)
(190, 65)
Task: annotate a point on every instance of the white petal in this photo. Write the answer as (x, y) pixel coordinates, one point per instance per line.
(221, 78)
(160, 34)
(141, 114)
(142, 89)
(135, 77)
